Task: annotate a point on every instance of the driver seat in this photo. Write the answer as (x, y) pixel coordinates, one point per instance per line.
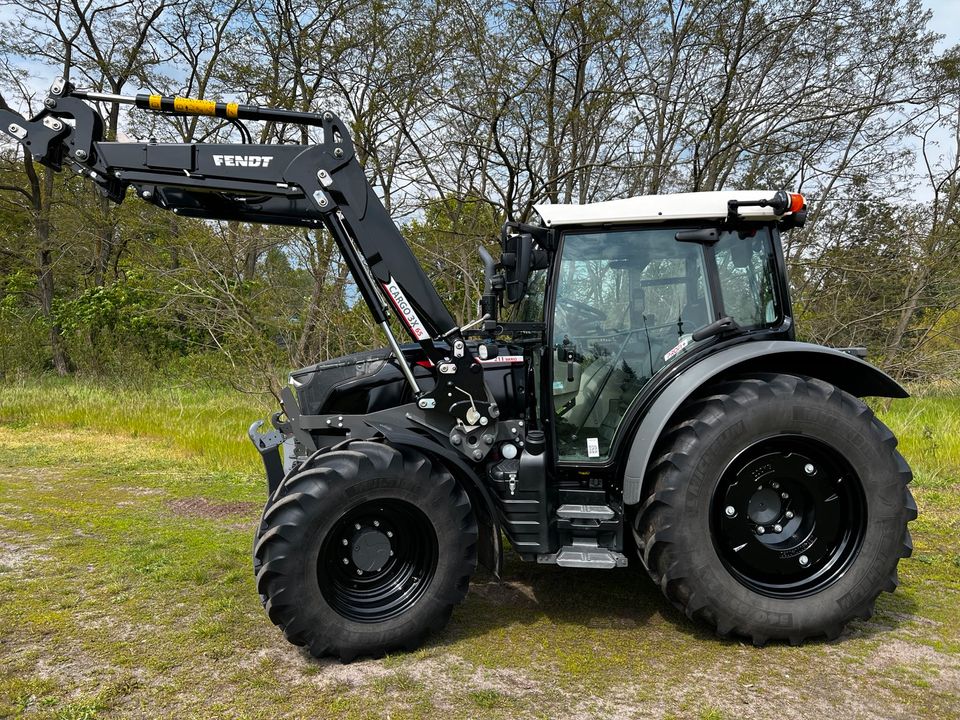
(592, 384)
(694, 315)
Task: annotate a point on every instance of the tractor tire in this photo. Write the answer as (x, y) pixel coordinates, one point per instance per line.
(778, 509)
(365, 550)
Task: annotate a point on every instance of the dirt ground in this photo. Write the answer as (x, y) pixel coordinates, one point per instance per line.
(127, 592)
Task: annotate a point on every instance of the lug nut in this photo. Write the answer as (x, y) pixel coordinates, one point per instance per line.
(778, 528)
(785, 496)
(389, 534)
(376, 523)
(804, 560)
(730, 511)
(346, 562)
(775, 485)
(761, 530)
(809, 469)
(345, 541)
(788, 514)
(359, 571)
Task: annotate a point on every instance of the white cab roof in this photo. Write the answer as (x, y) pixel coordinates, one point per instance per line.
(656, 208)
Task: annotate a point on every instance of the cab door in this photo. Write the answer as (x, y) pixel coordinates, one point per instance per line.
(625, 304)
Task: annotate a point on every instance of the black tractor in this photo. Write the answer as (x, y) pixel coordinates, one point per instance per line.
(631, 392)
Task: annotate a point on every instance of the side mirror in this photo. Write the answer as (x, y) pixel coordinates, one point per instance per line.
(742, 253)
(519, 258)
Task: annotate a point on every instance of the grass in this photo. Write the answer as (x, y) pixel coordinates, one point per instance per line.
(125, 597)
(207, 426)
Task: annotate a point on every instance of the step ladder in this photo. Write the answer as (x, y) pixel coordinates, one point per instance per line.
(585, 512)
(584, 553)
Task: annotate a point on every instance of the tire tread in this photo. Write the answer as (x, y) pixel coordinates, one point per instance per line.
(302, 494)
(673, 457)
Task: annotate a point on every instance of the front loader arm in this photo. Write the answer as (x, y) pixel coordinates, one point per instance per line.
(302, 185)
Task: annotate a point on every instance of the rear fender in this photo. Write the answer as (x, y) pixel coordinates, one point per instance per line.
(847, 372)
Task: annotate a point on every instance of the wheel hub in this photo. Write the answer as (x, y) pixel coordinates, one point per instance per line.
(377, 560)
(788, 516)
(764, 506)
(370, 550)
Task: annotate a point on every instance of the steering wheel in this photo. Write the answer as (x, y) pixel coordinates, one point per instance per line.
(589, 312)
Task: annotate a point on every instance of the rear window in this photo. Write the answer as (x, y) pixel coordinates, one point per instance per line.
(747, 270)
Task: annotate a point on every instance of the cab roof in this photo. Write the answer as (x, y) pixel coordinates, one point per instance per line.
(658, 208)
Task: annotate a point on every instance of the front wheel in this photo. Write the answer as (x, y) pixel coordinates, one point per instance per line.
(365, 550)
(778, 510)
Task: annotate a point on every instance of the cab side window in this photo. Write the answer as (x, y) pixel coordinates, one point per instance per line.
(746, 267)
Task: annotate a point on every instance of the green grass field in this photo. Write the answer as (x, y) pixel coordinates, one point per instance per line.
(126, 522)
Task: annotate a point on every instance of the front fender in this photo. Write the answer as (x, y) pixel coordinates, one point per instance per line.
(847, 372)
(490, 544)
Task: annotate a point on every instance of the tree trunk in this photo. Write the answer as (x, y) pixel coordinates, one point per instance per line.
(103, 246)
(59, 354)
(42, 199)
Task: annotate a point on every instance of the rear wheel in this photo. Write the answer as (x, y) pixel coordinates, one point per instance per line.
(778, 510)
(365, 550)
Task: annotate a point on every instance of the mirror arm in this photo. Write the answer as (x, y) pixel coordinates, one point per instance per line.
(493, 285)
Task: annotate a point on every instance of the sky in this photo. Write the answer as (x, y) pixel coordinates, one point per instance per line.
(946, 20)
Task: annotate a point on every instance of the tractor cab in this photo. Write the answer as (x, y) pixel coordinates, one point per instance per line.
(626, 299)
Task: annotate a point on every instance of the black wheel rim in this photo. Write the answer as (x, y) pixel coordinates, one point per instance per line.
(788, 516)
(378, 560)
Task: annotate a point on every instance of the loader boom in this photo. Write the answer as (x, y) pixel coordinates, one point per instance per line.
(310, 186)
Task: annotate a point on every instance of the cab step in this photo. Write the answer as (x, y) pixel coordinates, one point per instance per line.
(584, 554)
(585, 512)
